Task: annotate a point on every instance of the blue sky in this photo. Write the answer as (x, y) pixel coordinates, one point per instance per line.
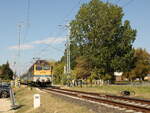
(43, 28)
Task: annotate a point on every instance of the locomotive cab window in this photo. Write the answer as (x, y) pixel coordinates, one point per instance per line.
(38, 68)
(46, 68)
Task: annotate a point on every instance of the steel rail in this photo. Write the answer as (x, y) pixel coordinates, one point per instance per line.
(99, 100)
(142, 101)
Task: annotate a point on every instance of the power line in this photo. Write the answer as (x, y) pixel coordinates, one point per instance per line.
(42, 51)
(19, 26)
(19, 40)
(59, 50)
(68, 39)
(117, 1)
(27, 22)
(67, 15)
(45, 48)
(68, 42)
(126, 4)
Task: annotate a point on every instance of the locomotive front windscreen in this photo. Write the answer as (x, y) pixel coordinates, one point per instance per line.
(46, 67)
(38, 67)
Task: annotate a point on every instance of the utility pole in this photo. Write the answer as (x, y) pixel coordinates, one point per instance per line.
(68, 50)
(67, 67)
(19, 26)
(14, 75)
(19, 36)
(68, 55)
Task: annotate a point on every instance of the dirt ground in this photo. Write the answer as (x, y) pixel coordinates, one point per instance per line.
(5, 106)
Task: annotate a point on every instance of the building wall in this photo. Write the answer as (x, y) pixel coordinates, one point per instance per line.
(119, 78)
(147, 77)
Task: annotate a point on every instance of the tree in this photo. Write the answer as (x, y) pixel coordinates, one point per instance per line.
(6, 72)
(142, 64)
(58, 72)
(83, 69)
(98, 33)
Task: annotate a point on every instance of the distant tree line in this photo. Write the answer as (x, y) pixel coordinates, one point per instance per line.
(6, 72)
(101, 44)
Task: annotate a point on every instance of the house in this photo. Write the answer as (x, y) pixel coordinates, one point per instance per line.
(118, 76)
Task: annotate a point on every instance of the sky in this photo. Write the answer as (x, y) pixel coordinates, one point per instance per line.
(42, 29)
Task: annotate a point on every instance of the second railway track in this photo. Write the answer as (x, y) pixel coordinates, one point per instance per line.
(138, 105)
(112, 97)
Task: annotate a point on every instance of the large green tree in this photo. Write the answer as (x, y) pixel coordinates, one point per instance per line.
(99, 33)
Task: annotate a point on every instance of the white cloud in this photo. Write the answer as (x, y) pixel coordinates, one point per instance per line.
(50, 40)
(31, 45)
(23, 47)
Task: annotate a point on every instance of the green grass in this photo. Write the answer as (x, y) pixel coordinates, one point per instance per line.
(24, 97)
(53, 104)
(140, 91)
(49, 103)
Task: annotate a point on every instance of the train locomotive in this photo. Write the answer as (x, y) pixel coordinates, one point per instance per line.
(39, 74)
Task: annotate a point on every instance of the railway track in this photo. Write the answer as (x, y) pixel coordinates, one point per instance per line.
(137, 105)
(122, 98)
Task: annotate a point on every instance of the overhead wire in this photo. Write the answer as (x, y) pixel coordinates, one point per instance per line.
(117, 1)
(66, 16)
(50, 46)
(72, 10)
(27, 21)
(126, 4)
(47, 46)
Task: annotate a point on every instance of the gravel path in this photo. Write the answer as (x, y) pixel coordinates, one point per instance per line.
(5, 106)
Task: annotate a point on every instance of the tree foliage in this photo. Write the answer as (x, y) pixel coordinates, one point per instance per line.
(6, 72)
(83, 68)
(99, 34)
(58, 72)
(142, 65)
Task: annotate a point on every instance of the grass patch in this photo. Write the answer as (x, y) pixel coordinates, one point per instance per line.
(140, 91)
(24, 98)
(49, 103)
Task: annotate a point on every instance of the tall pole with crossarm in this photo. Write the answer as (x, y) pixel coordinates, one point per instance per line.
(68, 55)
(19, 26)
(68, 50)
(67, 67)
